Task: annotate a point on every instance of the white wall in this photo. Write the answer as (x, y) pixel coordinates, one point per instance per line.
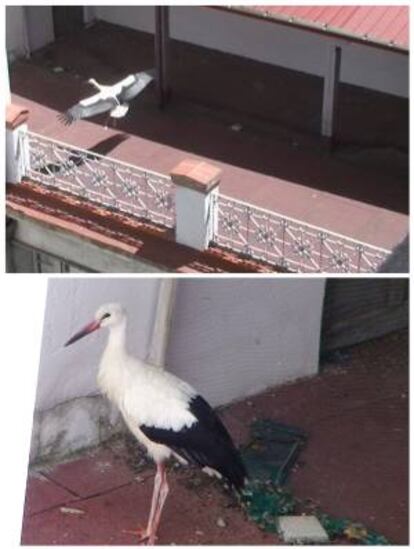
(69, 372)
(135, 17)
(233, 33)
(70, 413)
(39, 26)
(16, 40)
(228, 32)
(229, 338)
(275, 44)
(236, 337)
(28, 29)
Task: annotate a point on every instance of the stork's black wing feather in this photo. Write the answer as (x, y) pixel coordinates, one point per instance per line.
(86, 108)
(206, 443)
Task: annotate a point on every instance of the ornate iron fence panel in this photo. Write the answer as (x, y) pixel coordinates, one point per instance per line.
(111, 183)
(288, 243)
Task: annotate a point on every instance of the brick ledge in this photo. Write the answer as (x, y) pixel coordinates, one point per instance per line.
(118, 232)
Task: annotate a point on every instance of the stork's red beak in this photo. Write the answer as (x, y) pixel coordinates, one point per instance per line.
(88, 329)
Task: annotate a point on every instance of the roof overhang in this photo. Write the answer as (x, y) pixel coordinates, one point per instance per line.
(263, 14)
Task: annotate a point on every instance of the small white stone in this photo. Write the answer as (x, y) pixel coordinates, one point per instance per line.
(221, 522)
(302, 529)
(71, 511)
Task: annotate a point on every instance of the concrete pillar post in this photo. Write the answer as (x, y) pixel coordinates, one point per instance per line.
(17, 150)
(197, 184)
(330, 93)
(162, 53)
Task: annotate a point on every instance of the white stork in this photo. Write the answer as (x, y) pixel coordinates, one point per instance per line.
(164, 413)
(114, 99)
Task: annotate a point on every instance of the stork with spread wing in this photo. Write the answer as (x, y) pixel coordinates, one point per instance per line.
(114, 99)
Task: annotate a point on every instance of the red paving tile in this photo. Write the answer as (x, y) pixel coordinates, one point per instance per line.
(369, 486)
(356, 460)
(105, 519)
(93, 474)
(355, 464)
(101, 522)
(271, 168)
(42, 494)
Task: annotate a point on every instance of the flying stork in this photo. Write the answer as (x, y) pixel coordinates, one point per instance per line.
(114, 99)
(166, 415)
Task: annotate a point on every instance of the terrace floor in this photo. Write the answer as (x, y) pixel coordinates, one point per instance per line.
(355, 464)
(360, 191)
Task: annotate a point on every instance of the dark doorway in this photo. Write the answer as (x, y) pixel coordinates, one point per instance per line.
(356, 310)
(67, 20)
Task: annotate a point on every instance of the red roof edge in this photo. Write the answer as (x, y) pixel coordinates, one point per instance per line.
(252, 11)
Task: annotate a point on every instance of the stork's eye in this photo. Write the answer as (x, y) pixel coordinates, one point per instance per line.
(106, 315)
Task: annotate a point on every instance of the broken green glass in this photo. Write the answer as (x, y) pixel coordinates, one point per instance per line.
(272, 450)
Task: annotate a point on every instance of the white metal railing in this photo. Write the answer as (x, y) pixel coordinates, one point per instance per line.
(288, 243)
(112, 183)
(241, 227)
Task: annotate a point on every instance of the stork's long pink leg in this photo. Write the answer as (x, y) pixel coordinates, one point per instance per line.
(155, 499)
(148, 534)
(161, 484)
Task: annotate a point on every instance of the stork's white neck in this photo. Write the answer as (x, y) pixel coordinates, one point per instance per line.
(113, 368)
(95, 83)
(117, 338)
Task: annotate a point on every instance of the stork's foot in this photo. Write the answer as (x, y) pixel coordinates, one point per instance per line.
(142, 535)
(151, 540)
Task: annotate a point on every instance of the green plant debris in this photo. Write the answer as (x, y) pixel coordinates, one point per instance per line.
(265, 502)
(269, 456)
(342, 528)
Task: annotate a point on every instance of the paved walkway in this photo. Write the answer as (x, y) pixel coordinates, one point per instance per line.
(263, 164)
(355, 464)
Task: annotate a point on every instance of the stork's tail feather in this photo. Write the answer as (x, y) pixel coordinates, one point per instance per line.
(236, 474)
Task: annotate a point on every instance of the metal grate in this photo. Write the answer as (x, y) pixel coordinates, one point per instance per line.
(111, 183)
(288, 243)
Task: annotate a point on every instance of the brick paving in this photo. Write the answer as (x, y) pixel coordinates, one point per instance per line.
(355, 464)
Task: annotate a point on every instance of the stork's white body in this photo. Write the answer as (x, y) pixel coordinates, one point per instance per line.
(143, 393)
